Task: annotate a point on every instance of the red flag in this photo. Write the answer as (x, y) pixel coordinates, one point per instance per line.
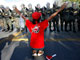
(50, 57)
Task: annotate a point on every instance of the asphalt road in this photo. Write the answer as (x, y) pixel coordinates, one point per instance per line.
(66, 46)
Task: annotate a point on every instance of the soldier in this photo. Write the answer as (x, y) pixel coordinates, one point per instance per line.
(56, 19)
(67, 20)
(48, 13)
(16, 19)
(43, 11)
(78, 21)
(75, 13)
(30, 11)
(7, 15)
(1, 19)
(37, 8)
(67, 17)
(62, 19)
(24, 11)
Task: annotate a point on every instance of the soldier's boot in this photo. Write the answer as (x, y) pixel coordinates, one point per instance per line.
(50, 27)
(3, 30)
(57, 25)
(26, 28)
(18, 29)
(10, 28)
(7, 28)
(78, 25)
(74, 30)
(61, 26)
(70, 27)
(66, 27)
(54, 26)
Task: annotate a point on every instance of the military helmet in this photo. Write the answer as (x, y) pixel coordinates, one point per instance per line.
(7, 8)
(74, 5)
(22, 5)
(14, 6)
(38, 5)
(1, 6)
(30, 5)
(48, 5)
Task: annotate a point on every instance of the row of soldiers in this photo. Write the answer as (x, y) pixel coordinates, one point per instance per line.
(9, 19)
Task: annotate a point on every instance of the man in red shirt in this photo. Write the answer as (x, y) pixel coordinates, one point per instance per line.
(37, 30)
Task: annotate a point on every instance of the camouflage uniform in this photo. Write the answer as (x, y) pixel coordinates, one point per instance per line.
(7, 16)
(1, 19)
(30, 11)
(24, 11)
(15, 18)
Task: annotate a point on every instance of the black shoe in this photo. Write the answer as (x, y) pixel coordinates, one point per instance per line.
(78, 30)
(18, 29)
(70, 30)
(61, 29)
(54, 30)
(10, 30)
(66, 30)
(3, 30)
(51, 30)
(6, 30)
(58, 31)
(74, 31)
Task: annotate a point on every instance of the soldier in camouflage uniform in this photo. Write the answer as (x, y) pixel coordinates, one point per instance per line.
(7, 16)
(5, 19)
(37, 8)
(15, 19)
(24, 11)
(1, 19)
(30, 11)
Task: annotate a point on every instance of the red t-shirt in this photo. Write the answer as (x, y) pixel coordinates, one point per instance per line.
(37, 33)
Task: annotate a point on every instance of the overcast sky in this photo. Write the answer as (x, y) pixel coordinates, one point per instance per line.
(18, 3)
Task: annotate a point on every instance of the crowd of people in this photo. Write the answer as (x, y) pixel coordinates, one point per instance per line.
(64, 21)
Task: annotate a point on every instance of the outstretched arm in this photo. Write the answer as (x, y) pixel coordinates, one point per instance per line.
(54, 14)
(20, 13)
